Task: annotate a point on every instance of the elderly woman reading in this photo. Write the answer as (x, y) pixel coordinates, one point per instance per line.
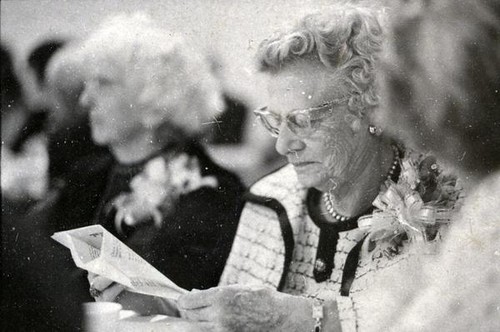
(300, 259)
(300, 231)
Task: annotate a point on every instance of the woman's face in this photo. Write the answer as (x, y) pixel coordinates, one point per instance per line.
(323, 158)
(111, 98)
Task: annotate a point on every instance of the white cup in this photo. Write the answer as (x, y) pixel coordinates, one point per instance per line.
(100, 316)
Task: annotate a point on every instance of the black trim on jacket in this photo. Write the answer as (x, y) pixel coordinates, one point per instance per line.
(285, 226)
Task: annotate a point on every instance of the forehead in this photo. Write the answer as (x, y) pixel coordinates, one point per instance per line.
(301, 85)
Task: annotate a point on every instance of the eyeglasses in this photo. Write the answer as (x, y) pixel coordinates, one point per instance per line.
(300, 122)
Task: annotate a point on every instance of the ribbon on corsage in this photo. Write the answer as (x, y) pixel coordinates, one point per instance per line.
(155, 191)
(401, 211)
(419, 204)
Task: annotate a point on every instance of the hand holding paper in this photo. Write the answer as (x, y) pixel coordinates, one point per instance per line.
(102, 289)
(96, 250)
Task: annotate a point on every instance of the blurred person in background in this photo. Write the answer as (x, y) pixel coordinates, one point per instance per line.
(37, 99)
(442, 93)
(43, 142)
(149, 97)
(24, 157)
(33, 296)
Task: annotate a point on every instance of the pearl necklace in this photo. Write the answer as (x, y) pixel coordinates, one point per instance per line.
(327, 199)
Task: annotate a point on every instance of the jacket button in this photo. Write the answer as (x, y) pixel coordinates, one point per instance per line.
(320, 265)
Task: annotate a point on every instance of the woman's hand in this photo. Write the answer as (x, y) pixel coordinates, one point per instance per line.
(103, 289)
(242, 308)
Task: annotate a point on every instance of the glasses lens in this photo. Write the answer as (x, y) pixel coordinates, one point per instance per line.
(299, 123)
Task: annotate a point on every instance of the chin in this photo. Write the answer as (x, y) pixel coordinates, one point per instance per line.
(312, 178)
(310, 181)
(99, 139)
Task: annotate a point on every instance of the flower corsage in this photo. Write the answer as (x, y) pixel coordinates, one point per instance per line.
(418, 207)
(156, 190)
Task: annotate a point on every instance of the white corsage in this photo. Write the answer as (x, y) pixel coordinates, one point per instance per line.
(419, 205)
(155, 191)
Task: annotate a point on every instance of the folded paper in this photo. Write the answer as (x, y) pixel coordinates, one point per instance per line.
(96, 250)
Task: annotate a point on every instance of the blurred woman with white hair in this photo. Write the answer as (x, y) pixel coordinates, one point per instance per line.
(149, 97)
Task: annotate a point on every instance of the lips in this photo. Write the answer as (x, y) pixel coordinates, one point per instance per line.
(302, 163)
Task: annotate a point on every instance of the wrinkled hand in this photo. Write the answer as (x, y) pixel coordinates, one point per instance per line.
(243, 308)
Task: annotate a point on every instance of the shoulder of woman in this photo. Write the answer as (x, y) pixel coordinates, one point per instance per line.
(200, 159)
(192, 176)
(282, 179)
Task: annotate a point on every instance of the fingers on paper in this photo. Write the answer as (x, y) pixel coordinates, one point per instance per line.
(110, 293)
(205, 314)
(100, 283)
(199, 299)
(91, 276)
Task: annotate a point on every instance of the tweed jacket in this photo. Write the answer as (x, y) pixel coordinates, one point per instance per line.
(276, 245)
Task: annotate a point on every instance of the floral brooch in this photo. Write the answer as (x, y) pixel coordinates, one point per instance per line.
(156, 190)
(419, 205)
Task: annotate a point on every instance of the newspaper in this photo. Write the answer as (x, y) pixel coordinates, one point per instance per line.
(96, 250)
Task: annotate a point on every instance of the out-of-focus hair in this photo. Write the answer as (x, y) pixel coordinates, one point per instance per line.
(40, 56)
(346, 40)
(177, 80)
(443, 79)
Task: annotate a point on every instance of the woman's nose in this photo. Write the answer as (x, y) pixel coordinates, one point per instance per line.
(287, 141)
(85, 99)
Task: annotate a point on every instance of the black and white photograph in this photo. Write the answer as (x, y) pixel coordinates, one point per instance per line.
(250, 165)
